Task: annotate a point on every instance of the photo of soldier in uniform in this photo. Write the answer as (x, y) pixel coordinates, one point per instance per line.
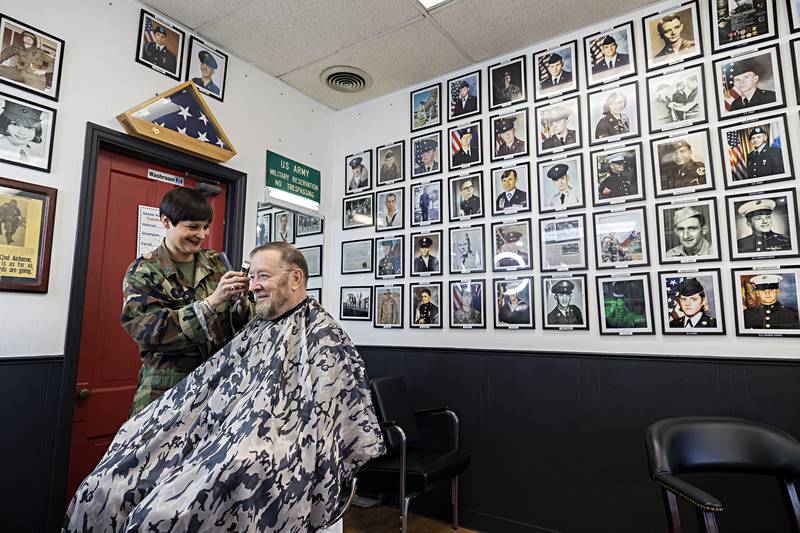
(610, 55)
(508, 135)
(390, 161)
(682, 164)
(766, 301)
(467, 253)
(426, 203)
(617, 175)
(510, 187)
(512, 245)
(564, 302)
(464, 95)
(355, 303)
(426, 155)
(563, 187)
(160, 45)
(465, 145)
(620, 238)
(513, 307)
(614, 113)
(207, 68)
(426, 107)
(555, 71)
(388, 306)
(427, 253)
(389, 257)
(672, 36)
(794, 15)
(465, 197)
(677, 99)
(763, 225)
(740, 22)
(756, 152)
(691, 303)
(748, 83)
(466, 304)
(263, 227)
(357, 211)
(26, 133)
(558, 126)
(426, 305)
(283, 230)
(508, 82)
(29, 58)
(563, 243)
(358, 176)
(13, 218)
(390, 210)
(688, 231)
(625, 306)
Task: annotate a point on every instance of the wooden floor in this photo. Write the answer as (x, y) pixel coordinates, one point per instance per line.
(387, 520)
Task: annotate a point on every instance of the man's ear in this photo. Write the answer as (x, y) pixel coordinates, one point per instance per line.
(166, 221)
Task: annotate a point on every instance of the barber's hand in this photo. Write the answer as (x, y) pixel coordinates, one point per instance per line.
(233, 285)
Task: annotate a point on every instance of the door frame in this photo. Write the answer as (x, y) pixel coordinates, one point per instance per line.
(103, 138)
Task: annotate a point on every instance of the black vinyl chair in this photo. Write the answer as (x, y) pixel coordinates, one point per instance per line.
(413, 463)
(719, 444)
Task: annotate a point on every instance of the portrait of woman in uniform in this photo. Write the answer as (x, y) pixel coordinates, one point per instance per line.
(755, 152)
(513, 303)
(466, 304)
(426, 305)
(624, 305)
(677, 99)
(682, 164)
(614, 113)
(30, 59)
(691, 303)
(564, 304)
(160, 45)
(688, 231)
(617, 175)
(766, 301)
(763, 225)
(749, 82)
(26, 133)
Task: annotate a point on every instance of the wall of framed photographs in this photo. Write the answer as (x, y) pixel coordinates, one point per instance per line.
(634, 178)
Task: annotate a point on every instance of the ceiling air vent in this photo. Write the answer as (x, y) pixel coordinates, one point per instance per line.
(346, 79)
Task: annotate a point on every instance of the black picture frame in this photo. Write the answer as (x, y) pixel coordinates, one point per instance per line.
(420, 145)
(683, 115)
(470, 258)
(512, 245)
(430, 209)
(690, 47)
(690, 214)
(726, 69)
(354, 167)
(52, 46)
(673, 309)
(389, 174)
(461, 319)
(681, 159)
(277, 216)
(218, 57)
(316, 293)
(570, 166)
(745, 298)
(263, 226)
(355, 310)
(732, 33)
(461, 208)
(394, 267)
(794, 15)
(608, 248)
(361, 202)
(576, 317)
(431, 317)
(498, 125)
(560, 239)
(366, 263)
(381, 220)
(312, 271)
(596, 73)
(25, 152)
(435, 266)
(567, 55)
(794, 46)
(459, 159)
(316, 226)
(623, 292)
(516, 92)
(617, 185)
(604, 128)
(522, 315)
(516, 174)
(430, 115)
(777, 244)
(459, 107)
(149, 56)
(566, 112)
(378, 315)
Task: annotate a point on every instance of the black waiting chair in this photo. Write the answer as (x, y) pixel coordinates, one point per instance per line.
(719, 444)
(413, 463)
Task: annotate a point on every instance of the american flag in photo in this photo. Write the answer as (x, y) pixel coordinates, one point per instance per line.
(454, 91)
(149, 34)
(738, 147)
(185, 115)
(672, 297)
(458, 293)
(595, 52)
(455, 141)
(729, 92)
(544, 75)
(418, 148)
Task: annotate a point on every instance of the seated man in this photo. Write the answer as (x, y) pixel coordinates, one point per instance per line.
(261, 437)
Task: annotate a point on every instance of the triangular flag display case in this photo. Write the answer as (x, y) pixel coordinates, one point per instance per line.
(180, 118)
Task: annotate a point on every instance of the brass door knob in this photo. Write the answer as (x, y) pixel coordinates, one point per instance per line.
(84, 394)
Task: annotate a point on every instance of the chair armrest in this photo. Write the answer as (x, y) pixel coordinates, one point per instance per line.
(392, 425)
(443, 411)
(432, 412)
(697, 497)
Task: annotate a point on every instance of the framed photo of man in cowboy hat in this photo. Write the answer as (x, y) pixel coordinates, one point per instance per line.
(207, 67)
(26, 133)
(30, 59)
(160, 45)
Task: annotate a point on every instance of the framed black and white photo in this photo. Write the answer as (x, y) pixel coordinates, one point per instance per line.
(358, 172)
(263, 226)
(357, 211)
(691, 302)
(749, 82)
(313, 255)
(688, 231)
(283, 228)
(763, 224)
(511, 188)
(390, 210)
(624, 305)
(563, 243)
(26, 132)
(315, 293)
(31, 58)
(467, 252)
(617, 174)
(794, 45)
(390, 163)
(741, 22)
(793, 7)
(355, 303)
(357, 256)
(426, 203)
(620, 238)
(388, 306)
(564, 302)
(557, 126)
(682, 163)
(466, 196)
(465, 142)
(756, 152)
(555, 71)
(513, 303)
(673, 35)
(467, 308)
(426, 253)
(512, 245)
(426, 106)
(509, 134)
(509, 83)
(614, 113)
(766, 302)
(610, 55)
(426, 154)
(308, 225)
(207, 67)
(389, 257)
(160, 45)
(561, 183)
(677, 98)
(426, 305)
(464, 96)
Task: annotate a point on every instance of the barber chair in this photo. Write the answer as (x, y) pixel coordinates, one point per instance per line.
(414, 461)
(719, 444)
(343, 505)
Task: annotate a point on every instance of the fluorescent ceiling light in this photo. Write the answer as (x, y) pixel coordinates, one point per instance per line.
(428, 4)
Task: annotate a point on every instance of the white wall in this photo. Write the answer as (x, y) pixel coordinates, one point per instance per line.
(386, 120)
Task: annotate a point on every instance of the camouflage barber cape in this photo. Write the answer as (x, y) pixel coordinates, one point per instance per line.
(261, 437)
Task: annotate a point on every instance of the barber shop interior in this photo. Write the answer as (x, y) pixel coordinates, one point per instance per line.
(400, 266)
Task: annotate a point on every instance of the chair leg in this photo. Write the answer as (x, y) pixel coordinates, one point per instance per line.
(790, 501)
(673, 515)
(454, 497)
(707, 521)
(405, 502)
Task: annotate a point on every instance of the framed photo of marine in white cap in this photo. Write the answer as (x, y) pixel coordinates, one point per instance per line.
(509, 83)
(561, 183)
(755, 152)
(465, 142)
(617, 174)
(564, 302)
(672, 35)
(691, 302)
(610, 55)
(555, 71)
(749, 82)
(464, 96)
(509, 135)
(391, 163)
(512, 245)
(766, 301)
(677, 98)
(557, 126)
(682, 163)
(26, 133)
(763, 225)
(624, 305)
(688, 231)
(563, 243)
(358, 172)
(207, 67)
(510, 189)
(426, 154)
(160, 45)
(513, 303)
(426, 253)
(741, 22)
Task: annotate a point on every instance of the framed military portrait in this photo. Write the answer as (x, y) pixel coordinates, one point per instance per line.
(555, 71)
(465, 143)
(263, 226)
(466, 304)
(741, 22)
(283, 228)
(26, 132)
(511, 189)
(388, 306)
(688, 231)
(691, 302)
(624, 305)
(682, 163)
(672, 35)
(614, 113)
(389, 257)
(160, 45)
(467, 252)
(466, 196)
(677, 98)
(561, 183)
(749, 82)
(390, 163)
(355, 303)
(313, 255)
(207, 67)
(610, 55)
(509, 134)
(426, 304)
(357, 256)
(766, 301)
(564, 302)
(426, 107)
(513, 303)
(426, 253)
(426, 154)
(563, 243)
(617, 175)
(557, 126)
(31, 58)
(426, 203)
(793, 7)
(512, 245)
(756, 152)
(464, 96)
(763, 224)
(307, 225)
(315, 293)
(509, 83)
(794, 45)
(620, 238)
(358, 172)
(357, 211)
(390, 209)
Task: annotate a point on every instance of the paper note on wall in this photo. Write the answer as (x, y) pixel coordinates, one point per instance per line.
(151, 231)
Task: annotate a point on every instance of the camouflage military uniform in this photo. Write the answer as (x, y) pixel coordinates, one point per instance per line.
(619, 316)
(166, 317)
(10, 220)
(29, 60)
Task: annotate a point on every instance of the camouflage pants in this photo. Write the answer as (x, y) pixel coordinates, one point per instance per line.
(153, 382)
(37, 81)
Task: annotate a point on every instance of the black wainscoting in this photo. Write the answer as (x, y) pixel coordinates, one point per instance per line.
(557, 440)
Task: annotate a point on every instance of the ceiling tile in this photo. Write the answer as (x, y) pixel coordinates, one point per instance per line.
(197, 12)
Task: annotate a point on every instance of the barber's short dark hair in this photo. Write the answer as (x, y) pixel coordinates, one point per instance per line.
(185, 204)
(290, 255)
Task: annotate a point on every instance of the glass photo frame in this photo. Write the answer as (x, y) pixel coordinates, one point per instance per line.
(691, 302)
(620, 238)
(513, 303)
(624, 305)
(563, 243)
(565, 302)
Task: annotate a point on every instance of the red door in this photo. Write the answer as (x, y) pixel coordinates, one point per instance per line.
(109, 359)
